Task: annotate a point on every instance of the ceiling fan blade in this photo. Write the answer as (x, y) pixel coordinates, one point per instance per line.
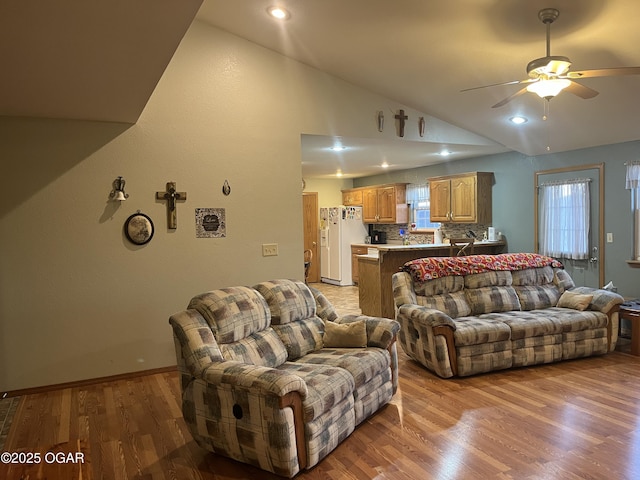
(511, 97)
(513, 82)
(581, 91)
(604, 72)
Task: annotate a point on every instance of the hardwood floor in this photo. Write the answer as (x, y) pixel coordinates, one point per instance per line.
(569, 420)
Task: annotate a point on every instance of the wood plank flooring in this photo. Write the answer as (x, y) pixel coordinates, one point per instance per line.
(569, 420)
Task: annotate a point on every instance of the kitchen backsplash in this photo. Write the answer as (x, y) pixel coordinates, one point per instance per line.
(448, 230)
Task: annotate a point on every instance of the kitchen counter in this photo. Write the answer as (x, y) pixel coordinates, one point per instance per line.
(375, 271)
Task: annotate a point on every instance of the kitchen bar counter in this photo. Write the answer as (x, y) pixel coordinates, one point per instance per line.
(375, 271)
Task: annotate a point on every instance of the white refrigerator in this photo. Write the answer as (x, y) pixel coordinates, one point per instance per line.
(339, 228)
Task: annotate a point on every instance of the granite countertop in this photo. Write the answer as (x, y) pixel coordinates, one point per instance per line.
(387, 247)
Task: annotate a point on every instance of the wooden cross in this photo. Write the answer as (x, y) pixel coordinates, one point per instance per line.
(402, 117)
(171, 196)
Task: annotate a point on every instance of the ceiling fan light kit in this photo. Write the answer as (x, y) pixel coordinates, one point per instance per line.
(550, 75)
(548, 88)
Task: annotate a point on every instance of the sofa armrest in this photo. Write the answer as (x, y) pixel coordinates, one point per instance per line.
(428, 317)
(427, 335)
(198, 346)
(381, 332)
(265, 380)
(603, 301)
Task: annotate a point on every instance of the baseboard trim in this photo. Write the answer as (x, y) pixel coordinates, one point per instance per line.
(87, 382)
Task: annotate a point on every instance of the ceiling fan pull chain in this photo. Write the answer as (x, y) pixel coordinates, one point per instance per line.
(545, 118)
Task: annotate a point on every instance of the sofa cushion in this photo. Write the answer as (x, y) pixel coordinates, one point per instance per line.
(577, 301)
(352, 334)
(533, 276)
(232, 313)
(535, 297)
(575, 320)
(527, 324)
(488, 279)
(324, 309)
(293, 315)
(261, 348)
(439, 286)
(364, 364)
(453, 304)
(492, 299)
(327, 386)
(476, 330)
(563, 280)
(288, 300)
(301, 337)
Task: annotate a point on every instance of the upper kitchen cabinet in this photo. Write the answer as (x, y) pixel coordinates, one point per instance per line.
(380, 203)
(352, 198)
(463, 198)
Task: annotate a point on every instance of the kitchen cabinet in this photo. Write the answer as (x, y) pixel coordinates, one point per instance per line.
(380, 203)
(352, 198)
(355, 251)
(385, 204)
(463, 198)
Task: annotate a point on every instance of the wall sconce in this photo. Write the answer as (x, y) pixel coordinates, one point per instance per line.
(117, 194)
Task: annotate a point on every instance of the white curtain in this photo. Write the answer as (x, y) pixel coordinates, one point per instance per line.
(418, 193)
(564, 219)
(633, 184)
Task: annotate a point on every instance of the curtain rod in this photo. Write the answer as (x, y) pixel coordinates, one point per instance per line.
(565, 182)
(634, 162)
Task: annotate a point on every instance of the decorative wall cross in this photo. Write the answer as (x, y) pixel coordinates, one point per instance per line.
(402, 117)
(171, 196)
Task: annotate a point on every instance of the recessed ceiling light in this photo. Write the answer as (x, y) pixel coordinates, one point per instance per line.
(339, 173)
(279, 13)
(384, 165)
(337, 148)
(518, 120)
(445, 153)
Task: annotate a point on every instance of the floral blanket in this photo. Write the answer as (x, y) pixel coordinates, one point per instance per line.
(429, 268)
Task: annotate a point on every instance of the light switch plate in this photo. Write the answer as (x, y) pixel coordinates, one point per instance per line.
(269, 249)
(609, 237)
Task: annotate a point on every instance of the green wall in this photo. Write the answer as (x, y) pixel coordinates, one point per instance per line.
(513, 198)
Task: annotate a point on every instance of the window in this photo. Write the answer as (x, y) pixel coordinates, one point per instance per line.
(564, 219)
(633, 184)
(418, 199)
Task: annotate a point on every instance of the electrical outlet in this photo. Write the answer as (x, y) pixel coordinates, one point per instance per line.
(269, 249)
(609, 237)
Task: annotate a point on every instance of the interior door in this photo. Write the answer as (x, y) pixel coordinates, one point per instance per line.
(311, 232)
(588, 272)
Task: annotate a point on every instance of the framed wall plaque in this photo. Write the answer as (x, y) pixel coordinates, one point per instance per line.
(139, 228)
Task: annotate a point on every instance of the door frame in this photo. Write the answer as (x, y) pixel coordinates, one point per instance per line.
(593, 166)
(311, 232)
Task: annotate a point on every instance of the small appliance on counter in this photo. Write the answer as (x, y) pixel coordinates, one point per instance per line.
(378, 237)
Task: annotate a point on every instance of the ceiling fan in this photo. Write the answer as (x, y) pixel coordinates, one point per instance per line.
(550, 75)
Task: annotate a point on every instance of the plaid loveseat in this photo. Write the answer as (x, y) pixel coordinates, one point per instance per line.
(462, 316)
(260, 386)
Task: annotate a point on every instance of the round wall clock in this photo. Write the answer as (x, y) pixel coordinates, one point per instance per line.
(139, 228)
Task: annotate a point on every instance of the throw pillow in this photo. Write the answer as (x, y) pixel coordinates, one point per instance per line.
(577, 301)
(345, 335)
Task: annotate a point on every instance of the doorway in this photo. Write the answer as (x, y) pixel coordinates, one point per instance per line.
(588, 272)
(311, 231)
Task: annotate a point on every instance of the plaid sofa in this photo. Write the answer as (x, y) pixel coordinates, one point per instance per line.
(260, 387)
(464, 321)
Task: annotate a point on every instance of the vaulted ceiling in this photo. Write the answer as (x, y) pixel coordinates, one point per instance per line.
(102, 60)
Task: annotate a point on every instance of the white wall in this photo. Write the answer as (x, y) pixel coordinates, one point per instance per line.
(77, 300)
